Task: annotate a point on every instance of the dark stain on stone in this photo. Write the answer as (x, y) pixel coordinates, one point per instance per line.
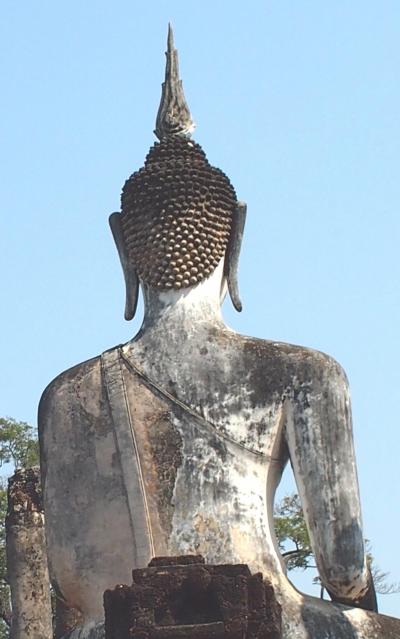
(166, 446)
(319, 624)
(261, 429)
(347, 552)
(219, 447)
(222, 491)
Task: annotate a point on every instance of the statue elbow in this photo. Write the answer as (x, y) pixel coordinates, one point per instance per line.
(348, 583)
(342, 562)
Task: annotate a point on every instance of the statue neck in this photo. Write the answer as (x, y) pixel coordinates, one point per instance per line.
(194, 306)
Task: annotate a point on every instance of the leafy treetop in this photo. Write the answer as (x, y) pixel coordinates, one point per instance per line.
(18, 444)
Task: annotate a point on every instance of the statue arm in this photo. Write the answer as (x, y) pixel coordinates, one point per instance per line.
(320, 442)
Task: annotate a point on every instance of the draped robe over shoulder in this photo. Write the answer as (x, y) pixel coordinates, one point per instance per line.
(135, 467)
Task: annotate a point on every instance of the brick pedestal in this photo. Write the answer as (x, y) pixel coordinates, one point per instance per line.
(183, 598)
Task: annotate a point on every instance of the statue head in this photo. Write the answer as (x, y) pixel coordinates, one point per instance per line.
(179, 215)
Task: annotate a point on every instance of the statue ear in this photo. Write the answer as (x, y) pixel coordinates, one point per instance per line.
(233, 252)
(130, 275)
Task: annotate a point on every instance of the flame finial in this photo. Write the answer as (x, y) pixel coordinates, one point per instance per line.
(173, 117)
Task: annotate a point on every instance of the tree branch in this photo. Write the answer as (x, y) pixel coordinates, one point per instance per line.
(299, 551)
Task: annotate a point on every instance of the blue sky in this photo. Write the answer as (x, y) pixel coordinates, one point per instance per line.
(298, 102)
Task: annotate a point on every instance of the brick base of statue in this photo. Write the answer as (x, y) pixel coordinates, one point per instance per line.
(184, 598)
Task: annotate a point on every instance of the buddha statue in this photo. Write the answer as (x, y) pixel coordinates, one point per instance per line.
(174, 443)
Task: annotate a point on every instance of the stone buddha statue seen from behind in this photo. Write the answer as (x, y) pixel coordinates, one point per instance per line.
(174, 443)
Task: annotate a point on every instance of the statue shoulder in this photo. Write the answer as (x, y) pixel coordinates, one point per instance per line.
(291, 358)
(66, 381)
(76, 392)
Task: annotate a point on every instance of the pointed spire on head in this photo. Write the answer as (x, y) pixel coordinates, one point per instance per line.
(173, 117)
(170, 39)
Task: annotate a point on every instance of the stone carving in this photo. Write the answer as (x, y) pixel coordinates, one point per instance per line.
(173, 117)
(174, 443)
(176, 215)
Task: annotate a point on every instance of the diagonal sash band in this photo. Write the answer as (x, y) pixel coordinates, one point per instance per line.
(127, 449)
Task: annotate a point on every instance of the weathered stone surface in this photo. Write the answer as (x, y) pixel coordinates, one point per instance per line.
(252, 403)
(175, 442)
(173, 117)
(91, 630)
(26, 558)
(182, 597)
(176, 215)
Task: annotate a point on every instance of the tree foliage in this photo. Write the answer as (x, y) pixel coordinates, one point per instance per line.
(19, 449)
(291, 529)
(18, 444)
(382, 585)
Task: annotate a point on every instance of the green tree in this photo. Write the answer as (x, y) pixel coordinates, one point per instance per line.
(18, 444)
(18, 449)
(292, 534)
(294, 543)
